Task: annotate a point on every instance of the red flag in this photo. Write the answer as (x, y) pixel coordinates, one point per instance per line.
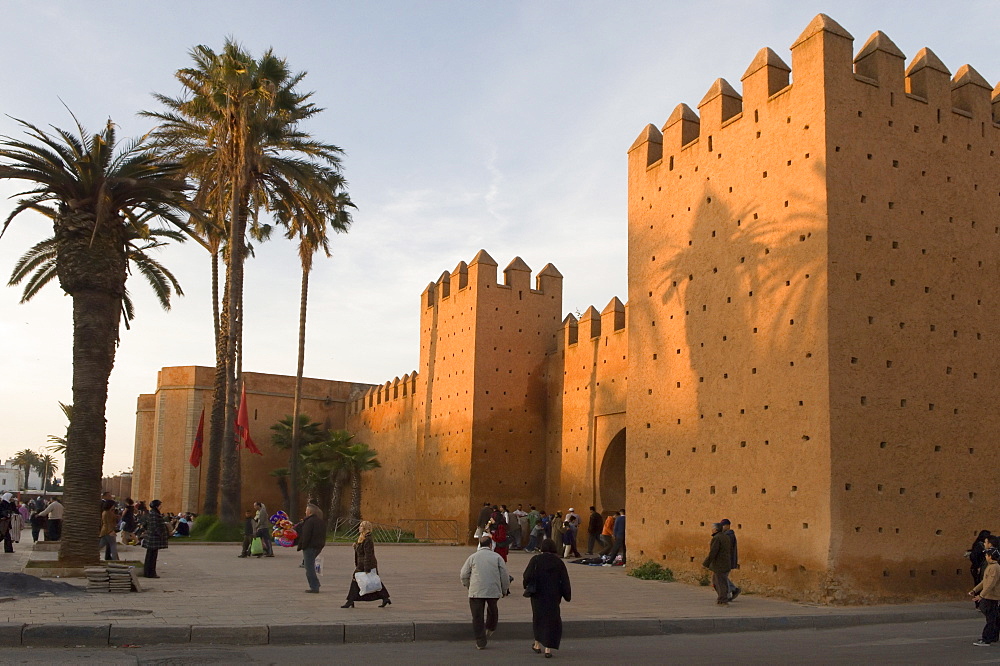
(195, 458)
(243, 425)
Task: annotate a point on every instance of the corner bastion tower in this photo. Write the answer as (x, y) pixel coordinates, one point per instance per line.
(813, 345)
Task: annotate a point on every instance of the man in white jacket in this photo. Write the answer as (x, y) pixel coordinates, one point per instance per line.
(485, 574)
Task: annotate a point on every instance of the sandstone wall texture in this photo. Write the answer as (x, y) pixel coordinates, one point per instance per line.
(810, 321)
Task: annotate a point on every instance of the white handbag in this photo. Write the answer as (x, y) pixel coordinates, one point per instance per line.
(368, 582)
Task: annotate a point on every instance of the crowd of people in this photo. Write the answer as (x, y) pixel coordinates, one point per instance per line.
(525, 530)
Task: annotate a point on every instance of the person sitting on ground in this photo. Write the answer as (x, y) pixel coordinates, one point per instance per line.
(182, 526)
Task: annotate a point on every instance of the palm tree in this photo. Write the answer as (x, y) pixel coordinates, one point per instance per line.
(311, 232)
(41, 262)
(310, 431)
(324, 470)
(281, 474)
(97, 196)
(26, 459)
(359, 458)
(236, 129)
(59, 443)
(46, 466)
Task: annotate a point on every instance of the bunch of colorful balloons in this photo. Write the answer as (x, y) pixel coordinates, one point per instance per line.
(284, 533)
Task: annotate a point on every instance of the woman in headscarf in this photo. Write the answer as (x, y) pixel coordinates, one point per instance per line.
(498, 532)
(7, 513)
(546, 581)
(364, 561)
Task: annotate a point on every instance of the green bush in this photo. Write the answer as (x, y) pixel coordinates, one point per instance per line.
(209, 528)
(705, 580)
(651, 571)
(202, 524)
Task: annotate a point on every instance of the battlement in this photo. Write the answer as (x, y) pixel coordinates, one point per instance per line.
(592, 324)
(823, 64)
(482, 272)
(380, 394)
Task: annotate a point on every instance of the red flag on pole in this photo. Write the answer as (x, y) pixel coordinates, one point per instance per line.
(195, 458)
(243, 425)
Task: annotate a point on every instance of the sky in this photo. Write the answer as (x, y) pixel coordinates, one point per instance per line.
(465, 125)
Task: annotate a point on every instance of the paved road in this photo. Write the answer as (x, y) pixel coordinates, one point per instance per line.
(946, 642)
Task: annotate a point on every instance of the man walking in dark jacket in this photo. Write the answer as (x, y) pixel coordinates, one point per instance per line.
(720, 561)
(594, 527)
(728, 530)
(312, 539)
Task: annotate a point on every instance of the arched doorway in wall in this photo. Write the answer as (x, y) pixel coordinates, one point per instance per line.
(612, 476)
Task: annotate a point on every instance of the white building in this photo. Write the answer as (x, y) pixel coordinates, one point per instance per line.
(11, 476)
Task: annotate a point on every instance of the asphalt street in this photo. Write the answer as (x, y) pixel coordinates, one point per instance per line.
(944, 642)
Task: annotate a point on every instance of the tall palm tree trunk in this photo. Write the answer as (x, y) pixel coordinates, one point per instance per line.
(335, 495)
(96, 314)
(231, 472)
(211, 501)
(355, 494)
(293, 463)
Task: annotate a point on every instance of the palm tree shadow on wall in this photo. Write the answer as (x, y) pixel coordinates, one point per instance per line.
(745, 273)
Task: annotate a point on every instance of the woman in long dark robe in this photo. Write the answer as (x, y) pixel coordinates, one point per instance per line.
(547, 575)
(364, 560)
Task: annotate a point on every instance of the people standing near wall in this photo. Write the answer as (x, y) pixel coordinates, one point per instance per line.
(728, 530)
(573, 528)
(485, 575)
(977, 558)
(546, 582)
(556, 528)
(520, 528)
(619, 535)
(482, 519)
(986, 594)
(608, 534)
(37, 520)
(264, 529)
(546, 521)
(109, 530)
(594, 524)
(7, 511)
(155, 533)
(129, 523)
(533, 518)
(720, 562)
(311, 541)
(53, 514)
(497, 527)
(364, 560)
(536, 537)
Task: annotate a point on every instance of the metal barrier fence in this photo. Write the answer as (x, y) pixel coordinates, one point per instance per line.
(409, 530)
(437, 531)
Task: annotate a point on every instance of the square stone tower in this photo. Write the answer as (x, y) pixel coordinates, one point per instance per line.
(813, 335)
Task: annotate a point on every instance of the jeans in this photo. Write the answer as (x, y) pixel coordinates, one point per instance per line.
(606, 543)
(309, 561)
(480, 628)
(110, 546)
(991, 609)
(619, 548)
(532, 543)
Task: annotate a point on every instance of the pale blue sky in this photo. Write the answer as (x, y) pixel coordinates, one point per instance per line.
(467, 125)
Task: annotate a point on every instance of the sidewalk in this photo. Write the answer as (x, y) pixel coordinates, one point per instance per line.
(207, 595)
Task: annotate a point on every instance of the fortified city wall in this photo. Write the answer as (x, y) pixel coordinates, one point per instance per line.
(779, 242)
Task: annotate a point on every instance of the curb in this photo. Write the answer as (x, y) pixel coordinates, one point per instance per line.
(108, 635)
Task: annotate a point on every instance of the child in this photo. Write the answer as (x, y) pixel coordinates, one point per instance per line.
(248, 532)
(567, 539)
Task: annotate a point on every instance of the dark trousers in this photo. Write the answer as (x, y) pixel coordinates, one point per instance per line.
(591, 540)
(619, 548)
(479, 628)
(246, 546)
(8, 545)
(721, 583)
(991, 609)
(54, 530)
(265, 541)
(37, 526)
(309, 562)
(149, 566)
